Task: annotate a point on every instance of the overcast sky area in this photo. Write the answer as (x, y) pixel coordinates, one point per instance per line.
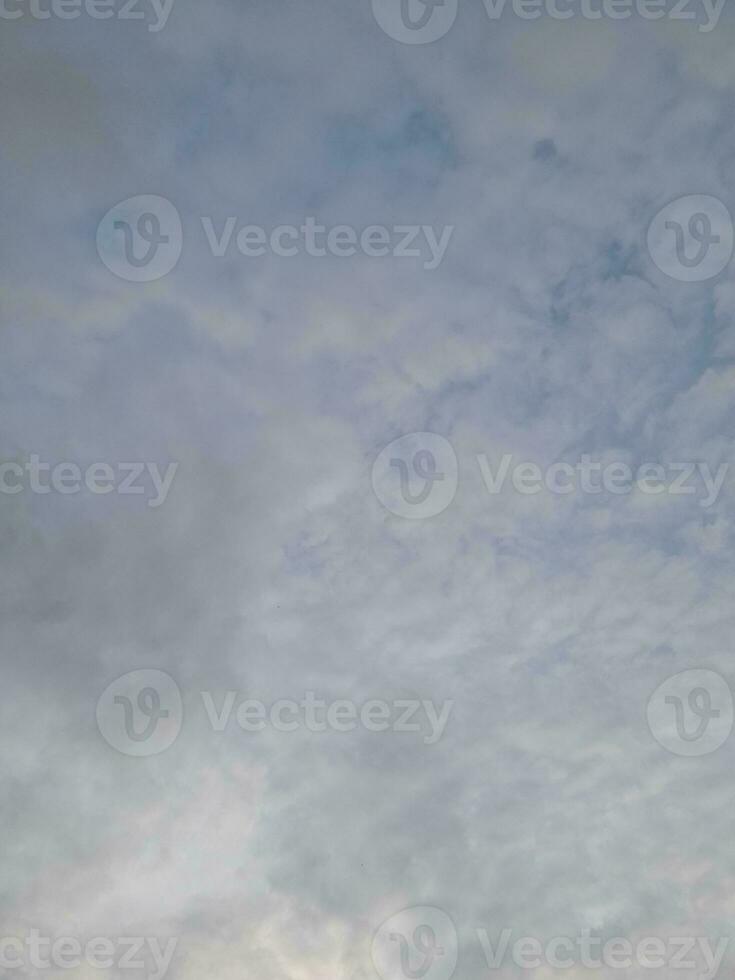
(526, 292)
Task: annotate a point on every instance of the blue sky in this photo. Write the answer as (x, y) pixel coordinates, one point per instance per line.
(546, 331)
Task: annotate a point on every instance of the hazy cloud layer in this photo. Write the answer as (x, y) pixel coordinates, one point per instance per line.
(272, 569)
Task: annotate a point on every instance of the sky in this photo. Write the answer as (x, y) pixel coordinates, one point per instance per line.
(285, 484)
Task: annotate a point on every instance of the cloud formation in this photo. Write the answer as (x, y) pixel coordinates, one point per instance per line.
(272, 569)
